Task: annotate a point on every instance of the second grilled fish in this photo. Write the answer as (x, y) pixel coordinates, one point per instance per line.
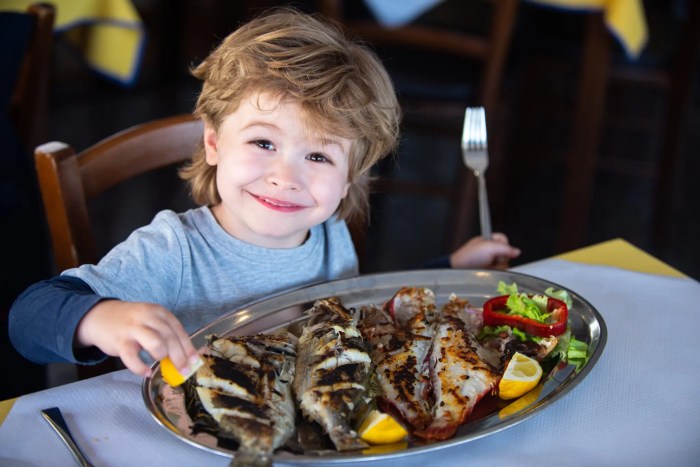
(333, 371)
(245, 385)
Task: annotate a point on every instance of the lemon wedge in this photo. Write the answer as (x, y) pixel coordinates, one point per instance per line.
(172, 375)
(381, 428)
(521, 375)
(522, 403)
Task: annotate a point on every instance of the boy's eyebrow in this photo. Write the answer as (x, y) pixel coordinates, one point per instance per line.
(323, 140)
(326, 141)
(261, 123)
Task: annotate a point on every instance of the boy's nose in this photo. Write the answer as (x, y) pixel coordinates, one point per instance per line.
(284, 176)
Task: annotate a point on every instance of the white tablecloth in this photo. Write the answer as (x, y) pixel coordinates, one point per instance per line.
(638, 406)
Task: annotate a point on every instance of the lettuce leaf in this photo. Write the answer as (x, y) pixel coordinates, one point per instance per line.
(568, 349)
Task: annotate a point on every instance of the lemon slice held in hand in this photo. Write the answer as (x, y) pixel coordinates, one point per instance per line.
(381, 428)
(521, 375)
(172, 375)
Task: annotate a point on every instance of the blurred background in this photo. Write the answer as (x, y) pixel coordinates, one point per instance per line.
(588, 141)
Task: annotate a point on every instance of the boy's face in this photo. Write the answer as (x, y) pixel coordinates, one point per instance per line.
(276, 177)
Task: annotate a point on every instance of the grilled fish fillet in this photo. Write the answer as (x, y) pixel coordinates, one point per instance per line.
(459, 376)
(401, 366)
(332, 372)
(430, 367)
(245, 385)
(413, 309)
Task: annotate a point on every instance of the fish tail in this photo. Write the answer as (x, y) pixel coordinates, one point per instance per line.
(346, 441)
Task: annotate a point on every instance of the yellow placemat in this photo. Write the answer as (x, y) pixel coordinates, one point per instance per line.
(622, 254)
(624, 18)
(109, 34)
(5, 407)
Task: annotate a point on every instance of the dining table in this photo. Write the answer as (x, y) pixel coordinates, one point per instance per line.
(637, 406)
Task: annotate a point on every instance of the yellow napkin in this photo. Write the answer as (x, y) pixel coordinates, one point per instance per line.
(622, 254)
(5, 407)
(625, 18)
(108, 33)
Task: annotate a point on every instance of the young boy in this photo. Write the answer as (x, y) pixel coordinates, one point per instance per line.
(295, 116)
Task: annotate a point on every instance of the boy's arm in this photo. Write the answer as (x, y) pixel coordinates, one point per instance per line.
(442, 262)
(44, 318)
(478, 253)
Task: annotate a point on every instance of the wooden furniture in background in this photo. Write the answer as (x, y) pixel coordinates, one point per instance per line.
(674, 79)
(29, 101)
(431, 105)
(68, 180)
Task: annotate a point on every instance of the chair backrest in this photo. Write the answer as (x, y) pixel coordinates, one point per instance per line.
(489, 48)
(68, 180)
(29, 100)
(433, 96)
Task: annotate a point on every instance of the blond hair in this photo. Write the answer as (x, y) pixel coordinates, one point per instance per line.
(340, 84)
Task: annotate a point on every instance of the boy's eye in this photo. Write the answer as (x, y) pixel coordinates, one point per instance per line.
(264, 144)
(317, 157)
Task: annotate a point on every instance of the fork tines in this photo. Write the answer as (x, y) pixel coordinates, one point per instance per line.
(474, 131)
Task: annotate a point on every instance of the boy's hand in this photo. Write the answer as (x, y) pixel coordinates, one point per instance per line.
(481, 253)
(122, 329)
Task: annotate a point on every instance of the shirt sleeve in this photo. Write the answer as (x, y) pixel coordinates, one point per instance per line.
(146, 267)
(44, 318)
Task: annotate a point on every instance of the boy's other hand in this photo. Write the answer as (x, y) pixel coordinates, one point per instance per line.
(122, 329)
(481, 253)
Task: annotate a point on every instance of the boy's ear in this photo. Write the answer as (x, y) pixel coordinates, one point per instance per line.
(210, 145)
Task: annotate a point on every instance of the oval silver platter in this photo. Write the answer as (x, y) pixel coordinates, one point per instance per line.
(167, 405)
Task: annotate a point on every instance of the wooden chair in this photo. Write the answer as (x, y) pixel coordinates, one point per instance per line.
(69, 180)
(430, 103)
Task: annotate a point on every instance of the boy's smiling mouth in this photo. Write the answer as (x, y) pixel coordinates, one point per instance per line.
(278, 205)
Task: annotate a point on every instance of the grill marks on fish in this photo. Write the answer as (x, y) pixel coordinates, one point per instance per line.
(333, 370)
(414, 309)
(458, 376)
(245, 385)
(400, 340)
(430, 366)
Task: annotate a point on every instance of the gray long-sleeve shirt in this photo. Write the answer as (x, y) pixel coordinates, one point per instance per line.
(185, 262)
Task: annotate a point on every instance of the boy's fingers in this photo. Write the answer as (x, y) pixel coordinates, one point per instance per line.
(130, 358)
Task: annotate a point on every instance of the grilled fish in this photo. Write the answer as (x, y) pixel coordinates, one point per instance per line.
(245, 385)
(459, 376)
(400, 336)
(333, 370)
(413, 309)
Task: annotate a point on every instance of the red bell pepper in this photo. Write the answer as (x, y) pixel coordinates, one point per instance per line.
(496, 314)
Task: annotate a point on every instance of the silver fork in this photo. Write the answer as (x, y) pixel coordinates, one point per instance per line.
(476, 157)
